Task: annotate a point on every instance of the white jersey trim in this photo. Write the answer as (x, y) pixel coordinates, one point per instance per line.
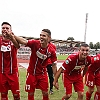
(63, 67)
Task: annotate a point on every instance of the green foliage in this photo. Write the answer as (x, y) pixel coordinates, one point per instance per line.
(94, 46)
(91, 45)
(70, 38)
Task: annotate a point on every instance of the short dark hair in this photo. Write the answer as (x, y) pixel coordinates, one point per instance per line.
(47, 30)
(5, 23)
(84, 45)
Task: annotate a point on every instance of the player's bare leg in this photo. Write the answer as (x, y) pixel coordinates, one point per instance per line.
(0, 95)
(16, 96)
(89, 93)
(97, 93)
(66, 97)
(4, 96)
(30, 96)
(80, 95)
(45, 95)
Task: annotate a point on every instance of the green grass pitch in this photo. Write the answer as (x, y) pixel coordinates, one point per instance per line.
(38, 96)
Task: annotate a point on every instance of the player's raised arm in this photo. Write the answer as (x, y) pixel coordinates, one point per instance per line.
(21, 40)
(12, 38)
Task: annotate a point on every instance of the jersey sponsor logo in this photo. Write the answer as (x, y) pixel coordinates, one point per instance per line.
(77, 67)
(40, 55)
(5, 48)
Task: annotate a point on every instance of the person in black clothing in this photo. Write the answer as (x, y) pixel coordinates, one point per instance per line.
(50, 71)
(51, 78)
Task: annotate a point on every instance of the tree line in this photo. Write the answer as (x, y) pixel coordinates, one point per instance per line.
(92, 46)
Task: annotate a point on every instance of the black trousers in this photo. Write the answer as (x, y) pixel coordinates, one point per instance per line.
(50, 74)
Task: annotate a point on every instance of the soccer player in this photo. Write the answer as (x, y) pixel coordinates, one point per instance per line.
(41, 51)
(8, 64)
(72, 72)
(93, 78)
(50, 71)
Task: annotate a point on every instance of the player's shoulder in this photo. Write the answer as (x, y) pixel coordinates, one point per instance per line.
(89, 57)
(98, 55)
(52, 45)
(73, 56)
(96, 58)
(1, 38)
(51, 49)
(33, 41)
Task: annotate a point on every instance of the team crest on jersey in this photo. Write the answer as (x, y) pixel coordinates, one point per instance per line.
(67, 61)
(49, 54)
(96, 58)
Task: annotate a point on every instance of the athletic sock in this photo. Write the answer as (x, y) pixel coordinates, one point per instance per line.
(16, 97)
(97, 96)
(30, 97)
(4, 96)
(88, 95)
(45, 97)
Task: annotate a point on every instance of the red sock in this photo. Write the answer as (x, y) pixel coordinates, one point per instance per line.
(97, 96)
(16, 97)
(4, 96)
(45, 97)
(30, 97)
(88, 95)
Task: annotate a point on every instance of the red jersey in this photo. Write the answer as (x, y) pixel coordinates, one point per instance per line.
(95, 64)
(8, 57)
(51, 44)
(39, 57)
(73, 65)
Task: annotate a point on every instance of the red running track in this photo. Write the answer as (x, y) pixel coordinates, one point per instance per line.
(27, 61)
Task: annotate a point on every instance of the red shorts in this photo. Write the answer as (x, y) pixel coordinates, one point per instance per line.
(9, 82)
(75, 80)
(92, 79)
(36, 82)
